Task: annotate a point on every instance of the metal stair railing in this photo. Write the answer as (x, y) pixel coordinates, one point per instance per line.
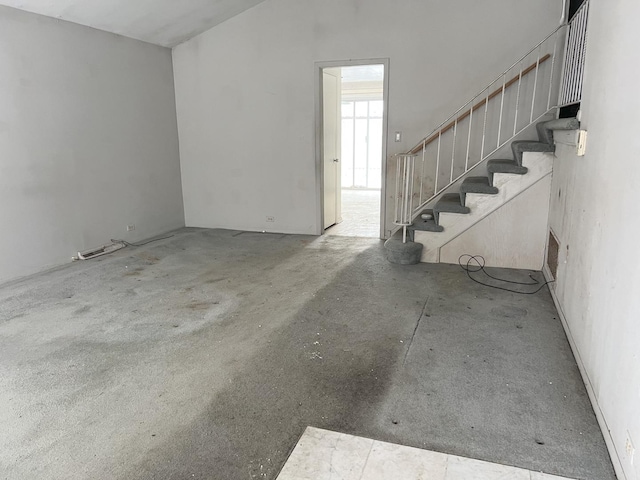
(573, 71)
(518, 98)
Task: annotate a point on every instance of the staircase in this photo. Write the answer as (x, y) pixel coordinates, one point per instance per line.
(456, 192)
(455, 215)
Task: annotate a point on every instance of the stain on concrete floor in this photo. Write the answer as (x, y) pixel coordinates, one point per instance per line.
(211, 360)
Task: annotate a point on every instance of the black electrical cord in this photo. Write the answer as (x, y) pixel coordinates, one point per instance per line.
(479, 266)
(143, 243)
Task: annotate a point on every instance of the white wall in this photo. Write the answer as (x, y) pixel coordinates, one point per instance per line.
(594, 213)
(245, 91)
(88, 141)
(513, 236)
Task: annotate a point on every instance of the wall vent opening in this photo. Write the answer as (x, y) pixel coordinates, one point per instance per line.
(553, 249)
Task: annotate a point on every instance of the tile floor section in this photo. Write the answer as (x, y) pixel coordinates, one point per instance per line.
(325, 455)
(360, 214)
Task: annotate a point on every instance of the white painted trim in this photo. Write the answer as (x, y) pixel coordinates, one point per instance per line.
(318, 67)
(606, 433)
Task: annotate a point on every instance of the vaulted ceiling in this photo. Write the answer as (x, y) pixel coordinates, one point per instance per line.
(162, 22)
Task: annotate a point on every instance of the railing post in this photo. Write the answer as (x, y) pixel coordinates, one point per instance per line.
(424, 151)
(466, 158)
(435, 188)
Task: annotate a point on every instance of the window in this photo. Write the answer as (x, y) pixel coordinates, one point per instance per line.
(362, 144)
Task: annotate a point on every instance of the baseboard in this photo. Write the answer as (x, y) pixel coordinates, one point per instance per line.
(606, 433)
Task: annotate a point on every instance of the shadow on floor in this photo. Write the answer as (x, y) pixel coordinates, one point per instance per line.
(487, 375)
(206, 355)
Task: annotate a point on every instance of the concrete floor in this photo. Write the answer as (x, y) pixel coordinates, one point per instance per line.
(207, 354)
(360, 214)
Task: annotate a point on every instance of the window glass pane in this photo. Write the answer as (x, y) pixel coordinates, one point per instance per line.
(360, 160)
(347, 109)
(362, 109)
(375, 153)
(375, 108)
(375, 178)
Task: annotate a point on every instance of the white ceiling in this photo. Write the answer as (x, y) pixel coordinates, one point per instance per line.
(163, 22)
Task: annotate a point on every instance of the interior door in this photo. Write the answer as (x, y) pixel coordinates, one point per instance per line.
(331, 120)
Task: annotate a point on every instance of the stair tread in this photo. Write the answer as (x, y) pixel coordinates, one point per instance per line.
(505, 166)
(477, 185)
(534, 144)
(545, 129)
(521, 146)
(450, 203)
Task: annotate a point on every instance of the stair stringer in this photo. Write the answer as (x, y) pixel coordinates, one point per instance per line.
(513, 236)
(540, 165)
(527, 133)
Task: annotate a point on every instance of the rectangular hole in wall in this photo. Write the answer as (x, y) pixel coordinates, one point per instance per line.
(552, 254)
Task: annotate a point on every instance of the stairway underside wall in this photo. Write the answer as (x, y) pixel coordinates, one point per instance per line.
(508, 228)
(513, 236)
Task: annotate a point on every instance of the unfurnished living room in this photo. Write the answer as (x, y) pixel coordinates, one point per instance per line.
(185, 289)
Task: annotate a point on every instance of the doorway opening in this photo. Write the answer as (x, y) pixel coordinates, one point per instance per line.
(353, 141)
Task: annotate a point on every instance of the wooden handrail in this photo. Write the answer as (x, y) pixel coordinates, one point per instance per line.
(422, 145)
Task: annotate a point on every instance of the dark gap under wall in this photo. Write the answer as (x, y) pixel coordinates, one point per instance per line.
(552, 255)
(574, 5)
(570, 111)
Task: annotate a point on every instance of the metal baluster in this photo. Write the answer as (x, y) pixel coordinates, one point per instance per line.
(413, 173)
(553, 64)
(404, 198)
(535, 87)
(484, 125)
(569, 66)
(424, 151)
(466, 158)
(398, 220)
(435, 190)
(576, 60)
(515, 120)
(576, 70)
(504, 82)
(453, 148)
(583, 32)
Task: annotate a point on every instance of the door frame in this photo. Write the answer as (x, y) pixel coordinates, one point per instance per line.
(319, 135)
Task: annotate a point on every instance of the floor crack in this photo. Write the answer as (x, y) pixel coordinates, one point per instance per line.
(415, 330)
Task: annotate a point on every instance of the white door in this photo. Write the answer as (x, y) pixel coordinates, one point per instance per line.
(331, 141)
